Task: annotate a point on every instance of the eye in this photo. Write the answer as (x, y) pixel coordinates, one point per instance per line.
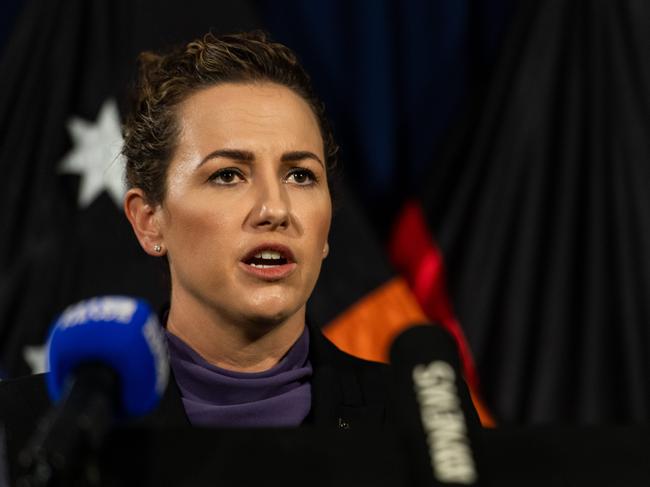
(227, 176)
(301, 176)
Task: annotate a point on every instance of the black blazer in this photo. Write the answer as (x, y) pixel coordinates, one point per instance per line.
(347, 393)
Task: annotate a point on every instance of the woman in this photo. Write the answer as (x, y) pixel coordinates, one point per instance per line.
(228, 159)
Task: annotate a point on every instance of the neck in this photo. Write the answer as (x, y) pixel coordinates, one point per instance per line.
(243, 345)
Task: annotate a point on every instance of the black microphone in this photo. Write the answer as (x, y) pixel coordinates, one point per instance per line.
(107, 360)
(438, 419)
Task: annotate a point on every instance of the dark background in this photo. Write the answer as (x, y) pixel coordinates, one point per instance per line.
(519, 130)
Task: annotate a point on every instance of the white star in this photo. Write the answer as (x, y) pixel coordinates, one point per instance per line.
(34, 355)
(96, 155)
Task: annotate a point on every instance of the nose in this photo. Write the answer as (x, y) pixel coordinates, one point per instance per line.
(271, 210)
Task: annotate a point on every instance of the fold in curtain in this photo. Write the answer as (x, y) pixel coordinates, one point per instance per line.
(541, 205)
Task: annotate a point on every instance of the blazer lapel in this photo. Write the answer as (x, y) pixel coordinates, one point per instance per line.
(337, 397)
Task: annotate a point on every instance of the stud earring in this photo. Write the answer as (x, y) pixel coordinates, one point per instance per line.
(157, 248)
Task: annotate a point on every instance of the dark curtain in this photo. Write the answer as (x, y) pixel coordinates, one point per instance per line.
(541, 204)
(393, 75)
(64, 63)
(538, 199)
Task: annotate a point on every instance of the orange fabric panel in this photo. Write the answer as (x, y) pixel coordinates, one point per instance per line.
(368, 328)
(484, 414)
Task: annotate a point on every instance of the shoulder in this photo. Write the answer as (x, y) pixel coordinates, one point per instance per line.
(366, 368)
(373, 378)
(345, 386)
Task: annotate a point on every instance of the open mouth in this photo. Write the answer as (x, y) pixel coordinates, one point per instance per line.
(269, 255)
(267, 259)
(269, 262)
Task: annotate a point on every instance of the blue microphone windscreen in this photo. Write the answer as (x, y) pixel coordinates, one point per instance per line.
(117, 331)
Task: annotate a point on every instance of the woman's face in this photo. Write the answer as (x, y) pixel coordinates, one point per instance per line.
(247, 207)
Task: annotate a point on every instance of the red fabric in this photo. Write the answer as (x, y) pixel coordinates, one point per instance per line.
(415, 254)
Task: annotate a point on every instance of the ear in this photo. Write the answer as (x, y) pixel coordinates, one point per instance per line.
(144, 220)
(326, 249)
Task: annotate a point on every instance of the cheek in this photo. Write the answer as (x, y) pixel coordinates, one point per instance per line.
(317, 215)
(193, 226)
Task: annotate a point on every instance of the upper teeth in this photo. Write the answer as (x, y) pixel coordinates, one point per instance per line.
(268, 254)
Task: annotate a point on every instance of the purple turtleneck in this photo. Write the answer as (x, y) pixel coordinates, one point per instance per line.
(212, 396)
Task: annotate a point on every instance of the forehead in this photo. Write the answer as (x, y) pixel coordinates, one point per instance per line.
(249, 114)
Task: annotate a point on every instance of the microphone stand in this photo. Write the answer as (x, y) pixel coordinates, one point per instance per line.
(69, 435)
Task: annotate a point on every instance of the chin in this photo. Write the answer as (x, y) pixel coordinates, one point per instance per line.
(268, 317)
(274, 307)
(271, 314)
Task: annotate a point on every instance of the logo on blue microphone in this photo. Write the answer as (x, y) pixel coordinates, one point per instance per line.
(111, 308)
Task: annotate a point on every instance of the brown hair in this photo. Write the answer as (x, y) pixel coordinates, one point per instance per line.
(165, 80)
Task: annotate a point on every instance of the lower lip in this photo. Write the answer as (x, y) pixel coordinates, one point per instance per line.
(271, 273)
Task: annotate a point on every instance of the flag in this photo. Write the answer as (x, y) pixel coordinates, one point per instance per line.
(66, 71)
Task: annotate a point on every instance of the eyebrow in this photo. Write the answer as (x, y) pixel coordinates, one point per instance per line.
(299, 156)
(247, 156)
(235, 154)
